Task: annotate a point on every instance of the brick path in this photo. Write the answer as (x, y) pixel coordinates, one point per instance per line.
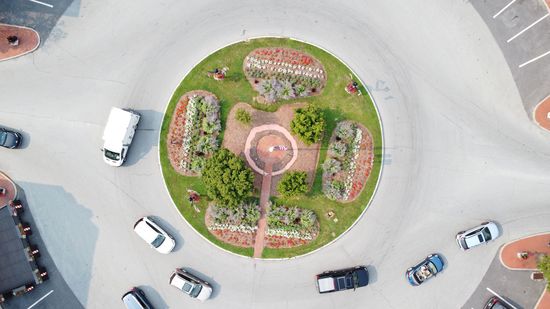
(11, 190)
(264, 200)
(542, 111)
(538, 245)
(28, 41)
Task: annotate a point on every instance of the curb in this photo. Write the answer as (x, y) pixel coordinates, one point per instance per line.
(381, 163)
(540, 298)
(27, 52)
(508, 243)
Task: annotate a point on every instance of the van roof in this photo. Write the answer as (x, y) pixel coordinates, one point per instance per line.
(116, 130)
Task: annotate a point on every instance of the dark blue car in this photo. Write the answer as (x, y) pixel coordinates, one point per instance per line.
(9, 139)
(425, 270)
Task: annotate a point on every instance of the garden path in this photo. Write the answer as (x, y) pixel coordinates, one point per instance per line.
(264, 200)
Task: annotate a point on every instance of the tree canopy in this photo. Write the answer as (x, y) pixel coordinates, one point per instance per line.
(228, 181)
(308, 124)
(293, 183)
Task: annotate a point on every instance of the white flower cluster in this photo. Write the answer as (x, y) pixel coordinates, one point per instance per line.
(233, 228)
(284, 67)
(352, 166)
(289, 234)
(190, 119)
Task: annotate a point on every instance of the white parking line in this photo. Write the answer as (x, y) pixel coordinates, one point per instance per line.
(500, 297)
(534, 59)
(529, 27)
(43, 3)
(41, 298)
(504, 8)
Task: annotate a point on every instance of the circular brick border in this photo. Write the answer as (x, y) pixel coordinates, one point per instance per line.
(270, 127)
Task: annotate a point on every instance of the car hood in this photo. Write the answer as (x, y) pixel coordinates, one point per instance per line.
(167, 245)
(493, 228)
(205, 293)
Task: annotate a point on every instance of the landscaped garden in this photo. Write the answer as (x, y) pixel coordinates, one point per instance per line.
(278, 119)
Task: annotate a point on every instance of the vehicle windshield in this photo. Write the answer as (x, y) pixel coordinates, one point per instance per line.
(425, 271)
(3, 137)
(196, 290)
(187, 287)
(112, 155)
(355, 280)
(158, 241)
(486, 234)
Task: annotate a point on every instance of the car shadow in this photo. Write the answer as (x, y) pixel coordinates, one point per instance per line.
(146, 136)
(171, 230)
(216, 287)
(373, 274)
(153, 296)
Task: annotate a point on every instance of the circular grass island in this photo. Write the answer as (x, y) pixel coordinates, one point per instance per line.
(271, 148)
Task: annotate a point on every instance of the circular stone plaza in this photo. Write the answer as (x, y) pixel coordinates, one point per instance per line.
(286, 148)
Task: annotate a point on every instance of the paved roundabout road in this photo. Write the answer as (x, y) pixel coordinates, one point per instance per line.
(459, 148)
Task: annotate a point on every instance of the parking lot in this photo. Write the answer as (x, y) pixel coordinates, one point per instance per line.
(522, 30)
(514, 286)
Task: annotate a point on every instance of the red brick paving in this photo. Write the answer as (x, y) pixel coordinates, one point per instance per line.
(28, 41)
(264, 200)
(542, 113)
(11, 190)
(537, 245)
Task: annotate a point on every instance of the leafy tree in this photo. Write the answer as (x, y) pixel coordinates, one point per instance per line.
(228, 181)
(293, 183)
(308, 124)
(243, 116)
(544, 267)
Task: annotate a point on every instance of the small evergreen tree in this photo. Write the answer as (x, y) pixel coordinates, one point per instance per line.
(243, 116)
(293, 183)
(308, 124)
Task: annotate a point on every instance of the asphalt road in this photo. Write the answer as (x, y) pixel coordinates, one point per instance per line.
(459, 148)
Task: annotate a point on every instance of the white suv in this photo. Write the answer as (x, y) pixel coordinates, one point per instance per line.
(478, 235)
(190, 284)
(154, 235)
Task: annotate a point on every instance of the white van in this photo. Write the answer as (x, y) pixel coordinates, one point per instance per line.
(118, 135)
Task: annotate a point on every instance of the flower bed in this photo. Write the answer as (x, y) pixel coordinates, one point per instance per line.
(236, 226)
(349, 162)
(290, 226)
(283, 73)
(193, 133)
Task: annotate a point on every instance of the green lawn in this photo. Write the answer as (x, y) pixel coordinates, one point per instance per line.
(336, 104)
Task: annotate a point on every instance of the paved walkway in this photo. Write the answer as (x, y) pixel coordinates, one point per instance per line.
(11, 190)
(28, 41)
(536, 246)
(264, 200)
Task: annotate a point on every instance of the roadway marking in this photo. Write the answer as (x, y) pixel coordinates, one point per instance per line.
(529, 27)
(43, 3)
(534, 59)
(41, 298)
(504, 8)
(501, 298)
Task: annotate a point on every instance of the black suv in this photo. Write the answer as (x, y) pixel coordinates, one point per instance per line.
(344, 279)
(9, 139)
(135, 299)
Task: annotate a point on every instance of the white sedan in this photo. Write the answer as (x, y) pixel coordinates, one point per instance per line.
(478, 235)
(154, 235)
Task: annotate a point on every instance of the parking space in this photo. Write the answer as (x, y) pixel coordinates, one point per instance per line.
(514, 286)
(40, 15)
(522, 30)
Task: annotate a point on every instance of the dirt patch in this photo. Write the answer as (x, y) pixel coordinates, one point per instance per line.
(236, 134)
(28, 41)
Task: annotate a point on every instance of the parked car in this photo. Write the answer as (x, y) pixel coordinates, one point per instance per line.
(154, 235)
(496, 303)
(425, 270)
(343, 279)
(10, 139)
(190, 284)
(478, 235)
(135, 299)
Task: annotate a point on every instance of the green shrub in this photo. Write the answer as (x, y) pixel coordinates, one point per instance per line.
(227, 179)
(332, 166)
(308, 124)
(544, 266)
(293, 183)
(243, 116)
